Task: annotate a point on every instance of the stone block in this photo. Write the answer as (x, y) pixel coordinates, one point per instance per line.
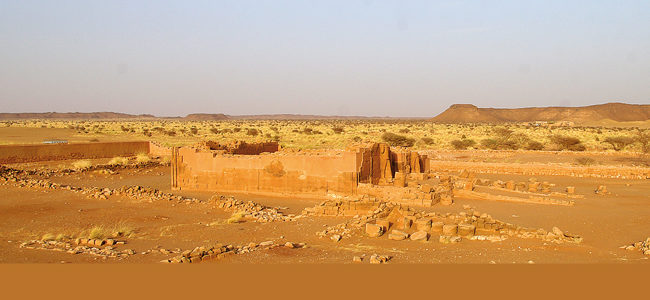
(450, 229)
(419, 236)
(423, 225)
(397, 235)
(466, 230)
(385, 224)
(437, 226)
(374, 230)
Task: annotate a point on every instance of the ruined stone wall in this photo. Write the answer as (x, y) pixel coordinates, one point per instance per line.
(295, 173)
(378, 164)
(243, 148)
(156, 149)
(46, 152)
(536, 169)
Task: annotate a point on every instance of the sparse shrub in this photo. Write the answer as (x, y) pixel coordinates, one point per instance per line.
(142, 158)
(427, 140)
(194, 130)
(236, 129)
(215, 130)
(252, 132)
(619, 142)
(404, 130)
(643, 138)
(118, 160)
(338, 129)
(170, 133)
(534, 145)
(356, 139)
(397, 140)
(82, 164)
(567, 143)
(462, 144)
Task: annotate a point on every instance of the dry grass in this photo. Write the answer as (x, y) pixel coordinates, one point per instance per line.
(118, 160)
(48, 237)
(338, 134)
(81, 164)
(120, 229)
(142, 158)
(237, 217)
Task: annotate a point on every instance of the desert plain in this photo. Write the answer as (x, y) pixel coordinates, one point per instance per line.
(486, 193)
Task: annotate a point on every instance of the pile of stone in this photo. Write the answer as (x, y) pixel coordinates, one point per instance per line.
(376, 210)
(218, 251)
(103, 248)
(17, 177)
(334, 208)
(379, 259)
(149, 194)
(252, 211)
(470, 224)
(601, 190)
(643, 246)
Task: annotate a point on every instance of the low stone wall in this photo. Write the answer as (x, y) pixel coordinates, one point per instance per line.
(541, 169)
(48, 152)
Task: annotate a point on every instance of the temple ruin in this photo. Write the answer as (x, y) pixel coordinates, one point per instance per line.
(373, 170)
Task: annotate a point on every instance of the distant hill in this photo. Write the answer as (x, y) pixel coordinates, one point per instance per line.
(618, 112)
(190, 117)
(72, 116)
(316, 117)
(205, 117)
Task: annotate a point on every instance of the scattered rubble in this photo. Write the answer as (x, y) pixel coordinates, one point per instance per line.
(643, 246)
(253, 211)
(218, 251)
(97, 247)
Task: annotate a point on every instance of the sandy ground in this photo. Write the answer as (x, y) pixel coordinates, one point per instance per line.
(605, 223)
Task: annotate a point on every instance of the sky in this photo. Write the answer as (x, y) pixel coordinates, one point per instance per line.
(368, 58)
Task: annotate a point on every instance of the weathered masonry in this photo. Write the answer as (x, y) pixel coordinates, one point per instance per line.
(48, 152)
(263, 168)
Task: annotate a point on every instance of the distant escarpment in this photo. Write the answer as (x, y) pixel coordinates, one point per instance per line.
(205, 117)
(72, 116)
(619, 112)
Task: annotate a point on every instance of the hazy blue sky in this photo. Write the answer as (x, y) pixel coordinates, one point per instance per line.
(397, 58)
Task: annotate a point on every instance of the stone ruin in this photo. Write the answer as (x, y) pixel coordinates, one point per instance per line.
(370, 171)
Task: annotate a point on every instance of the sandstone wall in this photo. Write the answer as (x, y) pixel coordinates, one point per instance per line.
(243, 148)
(294, 173)
(156, 149)
(45, 152)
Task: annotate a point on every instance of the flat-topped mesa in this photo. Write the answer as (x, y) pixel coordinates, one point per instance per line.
(240, 167)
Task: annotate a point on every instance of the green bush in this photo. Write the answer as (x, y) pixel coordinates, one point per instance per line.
(397, 140)
(534, 145)
(462, 144)
(619, 142)
(567, 143)
(427, 140)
